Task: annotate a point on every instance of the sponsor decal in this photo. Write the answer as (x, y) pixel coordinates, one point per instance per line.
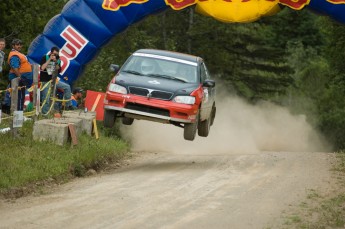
(192, 117)
(154, 82)
(75, 43)
(206, 95)
(115, 5)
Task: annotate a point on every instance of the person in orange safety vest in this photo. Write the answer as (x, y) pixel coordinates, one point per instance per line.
(20, 67)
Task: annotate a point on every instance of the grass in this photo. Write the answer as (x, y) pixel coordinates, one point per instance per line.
(321, 212)
(25, 163)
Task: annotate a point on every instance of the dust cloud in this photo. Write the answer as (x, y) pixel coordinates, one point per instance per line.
(239, 127)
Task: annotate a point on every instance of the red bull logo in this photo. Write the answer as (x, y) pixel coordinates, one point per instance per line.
(181, 4)
(115, 5)
(295, 4)
(75, 43)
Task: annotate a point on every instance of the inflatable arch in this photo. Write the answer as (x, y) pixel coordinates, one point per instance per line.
(84, 26)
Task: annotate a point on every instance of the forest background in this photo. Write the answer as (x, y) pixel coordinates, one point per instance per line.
(295, 59)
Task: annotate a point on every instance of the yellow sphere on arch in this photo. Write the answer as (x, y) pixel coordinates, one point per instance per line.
(237, 10)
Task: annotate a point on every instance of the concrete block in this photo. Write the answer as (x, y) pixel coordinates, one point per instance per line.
(55, 130)
(77, 123)
(85, 117)
(46, 130)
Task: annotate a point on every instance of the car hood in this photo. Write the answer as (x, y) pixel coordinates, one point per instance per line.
(155, 83)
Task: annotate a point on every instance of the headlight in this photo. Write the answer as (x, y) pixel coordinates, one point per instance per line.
(117, 88)
(185, 99)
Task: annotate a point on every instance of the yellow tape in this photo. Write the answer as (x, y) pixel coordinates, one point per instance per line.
(42, 87)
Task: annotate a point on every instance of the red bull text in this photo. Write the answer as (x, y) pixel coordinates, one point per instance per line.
(75, 43)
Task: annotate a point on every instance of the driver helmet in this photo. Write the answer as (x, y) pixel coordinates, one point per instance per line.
(147, 67)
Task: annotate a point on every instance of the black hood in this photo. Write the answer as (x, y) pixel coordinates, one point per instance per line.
(155, 83)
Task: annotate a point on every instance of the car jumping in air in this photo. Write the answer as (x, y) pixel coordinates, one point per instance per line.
(162, 86)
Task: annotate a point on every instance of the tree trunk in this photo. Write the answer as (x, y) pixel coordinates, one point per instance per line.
(190, 26)
(164, 32)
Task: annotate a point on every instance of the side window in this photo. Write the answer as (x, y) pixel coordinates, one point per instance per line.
(204, 72)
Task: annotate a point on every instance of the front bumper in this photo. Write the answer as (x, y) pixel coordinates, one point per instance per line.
(173, 112)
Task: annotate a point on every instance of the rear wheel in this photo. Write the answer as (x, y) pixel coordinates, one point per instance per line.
(109, 118)
(127, 121)
(189, 131)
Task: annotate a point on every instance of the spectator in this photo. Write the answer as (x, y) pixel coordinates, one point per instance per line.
(49, 64)
(2, 57)
(2, 54)
(20, 67)
(77, 97)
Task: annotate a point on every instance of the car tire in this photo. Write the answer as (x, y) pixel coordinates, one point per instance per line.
(204, 128)
(127, 121)
(109, 118)
(190, 129)
(213, 114)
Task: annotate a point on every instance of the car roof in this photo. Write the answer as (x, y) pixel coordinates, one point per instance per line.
(177, 55)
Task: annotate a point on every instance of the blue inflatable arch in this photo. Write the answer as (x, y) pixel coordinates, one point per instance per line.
(84, 26)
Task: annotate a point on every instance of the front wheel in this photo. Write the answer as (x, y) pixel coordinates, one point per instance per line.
(109, 118)
(189, 130)
(213, 114)
(204, 128)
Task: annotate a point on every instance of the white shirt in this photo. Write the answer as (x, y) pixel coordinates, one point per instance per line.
(2, 57)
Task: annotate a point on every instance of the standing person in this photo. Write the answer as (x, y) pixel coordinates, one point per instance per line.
(2, 57)
(2, 54)
(20, 67)
(49, 64)
(77, 96)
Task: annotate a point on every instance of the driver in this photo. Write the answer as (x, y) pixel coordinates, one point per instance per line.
(147, 67)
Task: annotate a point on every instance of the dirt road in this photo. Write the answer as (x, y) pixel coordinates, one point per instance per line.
(168, 190)
(257, 163)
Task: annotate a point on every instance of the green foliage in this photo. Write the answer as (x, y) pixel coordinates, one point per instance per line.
(332, 115)
(24, 20)
(331, 103)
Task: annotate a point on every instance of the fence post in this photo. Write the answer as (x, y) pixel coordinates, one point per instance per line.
(14, 103)
(35, 91)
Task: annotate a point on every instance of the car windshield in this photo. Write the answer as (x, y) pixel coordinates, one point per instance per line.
(165, 67)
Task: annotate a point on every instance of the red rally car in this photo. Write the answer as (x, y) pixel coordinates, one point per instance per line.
(162, 86)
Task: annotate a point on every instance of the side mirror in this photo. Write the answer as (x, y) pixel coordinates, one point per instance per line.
(209, 83)
(114, 68)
